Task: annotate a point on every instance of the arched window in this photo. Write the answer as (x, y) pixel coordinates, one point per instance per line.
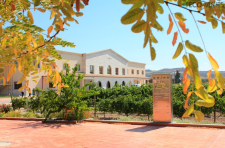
(108, 84)
(117, 71)
(123, 83)
(109, 70)
(99, 83)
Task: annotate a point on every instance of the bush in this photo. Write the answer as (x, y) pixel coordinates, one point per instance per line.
(29, 115)
(5, 108)
(18, 103)
(13, 114)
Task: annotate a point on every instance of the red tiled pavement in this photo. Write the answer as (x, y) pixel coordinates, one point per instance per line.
(31, 134)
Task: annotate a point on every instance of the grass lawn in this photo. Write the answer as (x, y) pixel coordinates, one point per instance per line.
(6, 97)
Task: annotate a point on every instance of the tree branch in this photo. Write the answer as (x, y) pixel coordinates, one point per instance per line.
(190, 10)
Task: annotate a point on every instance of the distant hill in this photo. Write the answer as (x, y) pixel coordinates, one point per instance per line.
(203, 74)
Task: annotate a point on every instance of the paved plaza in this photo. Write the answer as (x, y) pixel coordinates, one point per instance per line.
(32, 134)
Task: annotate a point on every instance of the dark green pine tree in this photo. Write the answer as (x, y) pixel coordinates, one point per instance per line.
(177, 77)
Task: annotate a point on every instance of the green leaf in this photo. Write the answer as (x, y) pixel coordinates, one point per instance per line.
(214, 23)
(152, 51)
(161, 1)
(147, 35)
(180, 17)
(189, 110)
(139, 26)
(153, 39)
(132, 16)
(137, 5)
(178, 51)
(1, 70)
(198, 115)
(192, 47)
(129, 1)
(157, 26)
(160, 9)
(36, 2)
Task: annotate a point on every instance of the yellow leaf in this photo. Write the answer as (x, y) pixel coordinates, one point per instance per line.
(180, 16)
(194, 68)
(209, 78)
(21, 88)
(29, 14)
(34, 43)
(202, 93)
(185, 60)
(213, 62)
(49, 30)
(52, 14)
(10, 74)
(4, 81)
(1, 30)
(186, 85)
(41, 10)
(213, 87)
(50, 70)
(186, 102)
(21, 80)
(204, 103)
(198, 115)
(66, 85)
(170, 28)
(35, 81)
(220, 91)
(185, 75)
(220, 79)
(223, 27)
(35, 77)
(129, 1)
(153, 55)
(178, 51)
(192, 47)
(59, 88)
(189, 110)
(139, 26)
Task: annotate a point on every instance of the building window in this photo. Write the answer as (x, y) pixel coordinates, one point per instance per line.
(99, 83)
(117, 71)
(91, 69)
(64, 66)
(142, 72)
(123, 71)
(38, 65)
(138, 72)
(17, 86)
(109, 70)
(123, 83)
(78, 67)
(108, 84)
(100, 69)
(51, 85)
(132, 71)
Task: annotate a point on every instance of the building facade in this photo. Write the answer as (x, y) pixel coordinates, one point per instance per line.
(105, 67)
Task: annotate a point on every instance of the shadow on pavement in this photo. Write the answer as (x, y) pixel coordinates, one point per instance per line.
(39, 124)
(145, 129)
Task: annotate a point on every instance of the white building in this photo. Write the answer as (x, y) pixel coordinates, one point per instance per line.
(105, 67)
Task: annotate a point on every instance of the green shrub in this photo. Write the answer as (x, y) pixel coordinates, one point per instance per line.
(13, 114)
(38, 115)
(18, 103)
(29, 115)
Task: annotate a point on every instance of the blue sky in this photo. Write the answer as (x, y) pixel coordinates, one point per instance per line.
(100, 28)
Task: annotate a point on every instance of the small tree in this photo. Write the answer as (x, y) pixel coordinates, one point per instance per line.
(177, 77)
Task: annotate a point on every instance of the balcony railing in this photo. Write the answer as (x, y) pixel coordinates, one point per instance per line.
(7, 83)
